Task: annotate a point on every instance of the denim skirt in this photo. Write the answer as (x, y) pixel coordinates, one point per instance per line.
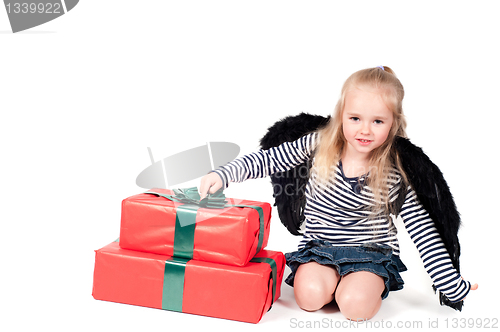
(371, 257)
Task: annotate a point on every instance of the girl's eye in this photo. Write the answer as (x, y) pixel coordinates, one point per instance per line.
(379, 121)
(353, 118)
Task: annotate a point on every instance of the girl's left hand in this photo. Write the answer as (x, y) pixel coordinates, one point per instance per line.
(473, 287)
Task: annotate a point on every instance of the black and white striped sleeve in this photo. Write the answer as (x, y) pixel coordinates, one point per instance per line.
(434, 255)
(267, 162)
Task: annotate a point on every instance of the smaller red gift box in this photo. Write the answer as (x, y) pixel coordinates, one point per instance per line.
(232, 235)
(209, 289)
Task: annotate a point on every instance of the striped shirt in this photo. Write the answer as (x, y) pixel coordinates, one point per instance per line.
(340, 212)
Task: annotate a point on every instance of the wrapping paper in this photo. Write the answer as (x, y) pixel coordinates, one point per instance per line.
(228, 236)
(209, 289)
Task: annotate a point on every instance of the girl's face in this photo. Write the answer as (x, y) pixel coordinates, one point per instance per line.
(366, 120)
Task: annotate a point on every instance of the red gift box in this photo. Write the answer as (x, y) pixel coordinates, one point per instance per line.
(208, 289)
(228, 236)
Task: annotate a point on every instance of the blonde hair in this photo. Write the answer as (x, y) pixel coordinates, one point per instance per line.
(332, 143)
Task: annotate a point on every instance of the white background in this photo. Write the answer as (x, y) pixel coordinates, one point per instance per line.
(83, 96)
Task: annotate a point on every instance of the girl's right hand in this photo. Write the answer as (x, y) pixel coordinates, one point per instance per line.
(210, 183)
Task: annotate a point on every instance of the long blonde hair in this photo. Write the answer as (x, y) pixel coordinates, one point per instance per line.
(332, 143)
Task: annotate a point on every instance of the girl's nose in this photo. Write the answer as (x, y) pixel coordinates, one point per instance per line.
(365, 128)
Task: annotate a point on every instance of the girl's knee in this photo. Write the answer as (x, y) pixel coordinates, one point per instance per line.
(359, 295)
(358, 305)
(314, 285)
(311, 296)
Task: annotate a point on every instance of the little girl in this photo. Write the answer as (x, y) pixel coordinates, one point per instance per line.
(349, 252)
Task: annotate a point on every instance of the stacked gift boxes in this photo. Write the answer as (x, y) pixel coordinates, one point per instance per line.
(185, 256)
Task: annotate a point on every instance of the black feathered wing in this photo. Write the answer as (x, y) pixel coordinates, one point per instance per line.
(289, 187)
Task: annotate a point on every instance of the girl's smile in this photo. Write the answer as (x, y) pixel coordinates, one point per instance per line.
(364, 142)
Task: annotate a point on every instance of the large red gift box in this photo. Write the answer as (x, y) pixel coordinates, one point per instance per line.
(208, 289)
(232, 235)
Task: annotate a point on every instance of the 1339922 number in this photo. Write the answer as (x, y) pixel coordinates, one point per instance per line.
(485, 323)
(32, 8)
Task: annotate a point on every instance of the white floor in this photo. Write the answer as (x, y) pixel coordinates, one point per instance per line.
(408, 309)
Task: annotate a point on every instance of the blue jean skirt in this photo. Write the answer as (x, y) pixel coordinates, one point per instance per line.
(371, 257)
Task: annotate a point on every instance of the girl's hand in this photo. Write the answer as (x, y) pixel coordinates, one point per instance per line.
(210, 183)
(472, 287)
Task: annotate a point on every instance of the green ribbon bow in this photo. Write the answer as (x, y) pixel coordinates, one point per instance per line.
(216, 200)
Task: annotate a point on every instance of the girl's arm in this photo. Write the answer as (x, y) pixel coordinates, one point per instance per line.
(260, 164)
(434, 255)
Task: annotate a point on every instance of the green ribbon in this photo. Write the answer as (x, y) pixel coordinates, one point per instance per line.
(173, 284)
(260, 210)
(216, 200)
(185, 223)
(174, 275)
(274, 272)
(185, 218)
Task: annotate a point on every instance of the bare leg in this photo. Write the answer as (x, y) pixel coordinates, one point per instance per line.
(314, 285)
(359, 295)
